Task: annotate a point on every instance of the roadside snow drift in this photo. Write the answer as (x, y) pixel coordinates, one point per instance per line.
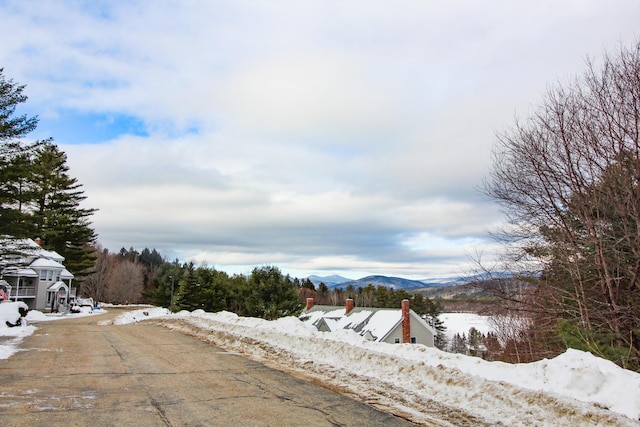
(422, 383)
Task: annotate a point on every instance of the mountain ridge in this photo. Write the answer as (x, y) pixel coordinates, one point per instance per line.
(337, 281)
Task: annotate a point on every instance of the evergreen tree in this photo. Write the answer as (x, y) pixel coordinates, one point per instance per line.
(270, 295)
(12, 127)
(216, 290)
(160, 292)
(476, 340)
(14, 160)
(58, 218)
(37, 196)
(190, 294)
(459, 344)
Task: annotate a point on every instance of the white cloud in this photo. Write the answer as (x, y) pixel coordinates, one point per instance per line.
(325, 98)
(320, 136)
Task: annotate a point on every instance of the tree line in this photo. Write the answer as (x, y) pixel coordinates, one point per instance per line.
(130, 276)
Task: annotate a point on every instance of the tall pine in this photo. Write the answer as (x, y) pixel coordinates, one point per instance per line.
(59, 220)
(14, 159)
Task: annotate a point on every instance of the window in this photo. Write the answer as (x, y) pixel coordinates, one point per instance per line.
(43, 274)
(413, 340)
(50, 275)
(397, 341)
(57, 276)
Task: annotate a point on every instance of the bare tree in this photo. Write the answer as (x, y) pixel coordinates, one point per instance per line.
(96, 284)
(126, 280)
(567, 179)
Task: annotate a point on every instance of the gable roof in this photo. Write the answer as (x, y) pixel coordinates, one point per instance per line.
(45, 263)
(57, 286)
(372, 323)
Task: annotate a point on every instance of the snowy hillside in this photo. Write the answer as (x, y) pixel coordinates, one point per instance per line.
(424, 384)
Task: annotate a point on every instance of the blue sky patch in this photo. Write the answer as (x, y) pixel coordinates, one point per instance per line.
(88, 128)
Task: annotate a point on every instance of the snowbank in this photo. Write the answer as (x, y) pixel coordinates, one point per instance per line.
(10, 312)
(137, 315)
(454, 380)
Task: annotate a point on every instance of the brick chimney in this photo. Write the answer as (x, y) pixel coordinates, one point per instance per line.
(38, 241)
(406, 322)
(348, 306)
(309, 304)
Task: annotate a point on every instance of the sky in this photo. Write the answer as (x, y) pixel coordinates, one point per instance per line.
(321, 137)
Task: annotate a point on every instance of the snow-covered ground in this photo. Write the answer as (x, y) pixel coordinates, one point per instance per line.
(460, 323)
(424, 384)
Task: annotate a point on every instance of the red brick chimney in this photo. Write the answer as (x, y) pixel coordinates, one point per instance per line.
(406, 322)
(309, 303)
(349, 305)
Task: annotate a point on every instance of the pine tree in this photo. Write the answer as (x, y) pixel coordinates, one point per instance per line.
(189, 296)
(271, 295)
(58, 218)
(14, 171)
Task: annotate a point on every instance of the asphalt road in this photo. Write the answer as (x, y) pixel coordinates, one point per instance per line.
(78, 372)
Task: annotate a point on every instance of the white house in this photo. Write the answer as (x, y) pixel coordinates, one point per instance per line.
(388, 325)
(34, 275)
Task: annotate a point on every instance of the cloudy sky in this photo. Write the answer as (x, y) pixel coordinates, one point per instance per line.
(322, 137)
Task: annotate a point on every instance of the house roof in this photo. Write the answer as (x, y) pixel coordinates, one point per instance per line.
(382, 322)
(27, 272)
(26, 250)
(57, 286)
(373, 323)
(45, 263)
(19, 272)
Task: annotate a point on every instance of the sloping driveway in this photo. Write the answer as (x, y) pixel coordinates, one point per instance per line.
(79, 372)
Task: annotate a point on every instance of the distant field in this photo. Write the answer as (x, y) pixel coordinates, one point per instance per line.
(459, 323)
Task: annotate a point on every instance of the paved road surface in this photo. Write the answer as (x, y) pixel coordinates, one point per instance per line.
(77, 372)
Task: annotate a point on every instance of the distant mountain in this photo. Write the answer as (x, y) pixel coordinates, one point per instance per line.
(388, 282)
(332, 281)
(444, 281)
(336, 281)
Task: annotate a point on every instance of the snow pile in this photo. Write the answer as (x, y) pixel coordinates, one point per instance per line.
(573, 388)
(10, 312)
(38, 316)
(137, 315)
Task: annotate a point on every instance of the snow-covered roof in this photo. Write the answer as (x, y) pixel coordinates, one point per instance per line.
(374, 323)
(25, 250)
(66, 274)
(382, 322)
(27, 272)
(318, 312)
(355, 318)
(19, 272)
(57, 286)
(46, 263)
